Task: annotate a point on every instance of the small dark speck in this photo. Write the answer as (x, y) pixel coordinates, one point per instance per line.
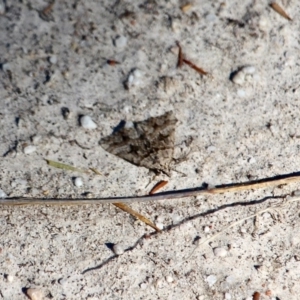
(196, 240)
(256, 267)
(204, 185)
(17, 120)
(110, 246)
(47, 77)
(65, 112)
(232, 74)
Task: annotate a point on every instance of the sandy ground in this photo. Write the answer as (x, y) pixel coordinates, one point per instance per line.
(230, 129)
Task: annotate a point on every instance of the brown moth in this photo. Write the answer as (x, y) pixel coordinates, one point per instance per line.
(148, 143)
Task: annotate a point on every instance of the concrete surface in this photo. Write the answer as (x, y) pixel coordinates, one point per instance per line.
(228, 131)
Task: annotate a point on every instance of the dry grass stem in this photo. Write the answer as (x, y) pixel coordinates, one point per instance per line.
(220, 189)
(280, 10)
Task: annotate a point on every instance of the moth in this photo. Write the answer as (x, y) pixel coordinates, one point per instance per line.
(148, 143)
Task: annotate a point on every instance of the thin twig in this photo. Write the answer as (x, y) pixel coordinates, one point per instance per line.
(193, 66)
(180, 56)
(220, 189)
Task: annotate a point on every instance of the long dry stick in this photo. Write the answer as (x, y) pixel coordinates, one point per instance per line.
(220, 189)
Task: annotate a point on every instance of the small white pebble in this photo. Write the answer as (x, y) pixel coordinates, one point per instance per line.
(249, 69)
(127, 109)
(53, 59)
(211, 280)
(6, 67)
(251, 160)
(227, 296)
(78, 182)
(176, 218)
(129, 124)
(10, 278)
(29, 149)
(159, 225)
(120, 41)
(118, 249)
(220, 252)
(239, 77)
(175, 25)
(63, 281)
(230, 279)
(34, 294)
(169, 279)
(66, 74)
(137, 73)
(143, 285)
(36, 139)
(87, 122)
(243, 230)
(89, 195)
(211, 149)
(263, 23)
(2, 194)
(267, 215)
(211, 18)
(241, 93)
(206, 229)
(130, 80)
(134, 79)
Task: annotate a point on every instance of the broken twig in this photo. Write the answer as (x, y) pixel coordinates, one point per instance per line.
(193, 66)
(181, 60)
